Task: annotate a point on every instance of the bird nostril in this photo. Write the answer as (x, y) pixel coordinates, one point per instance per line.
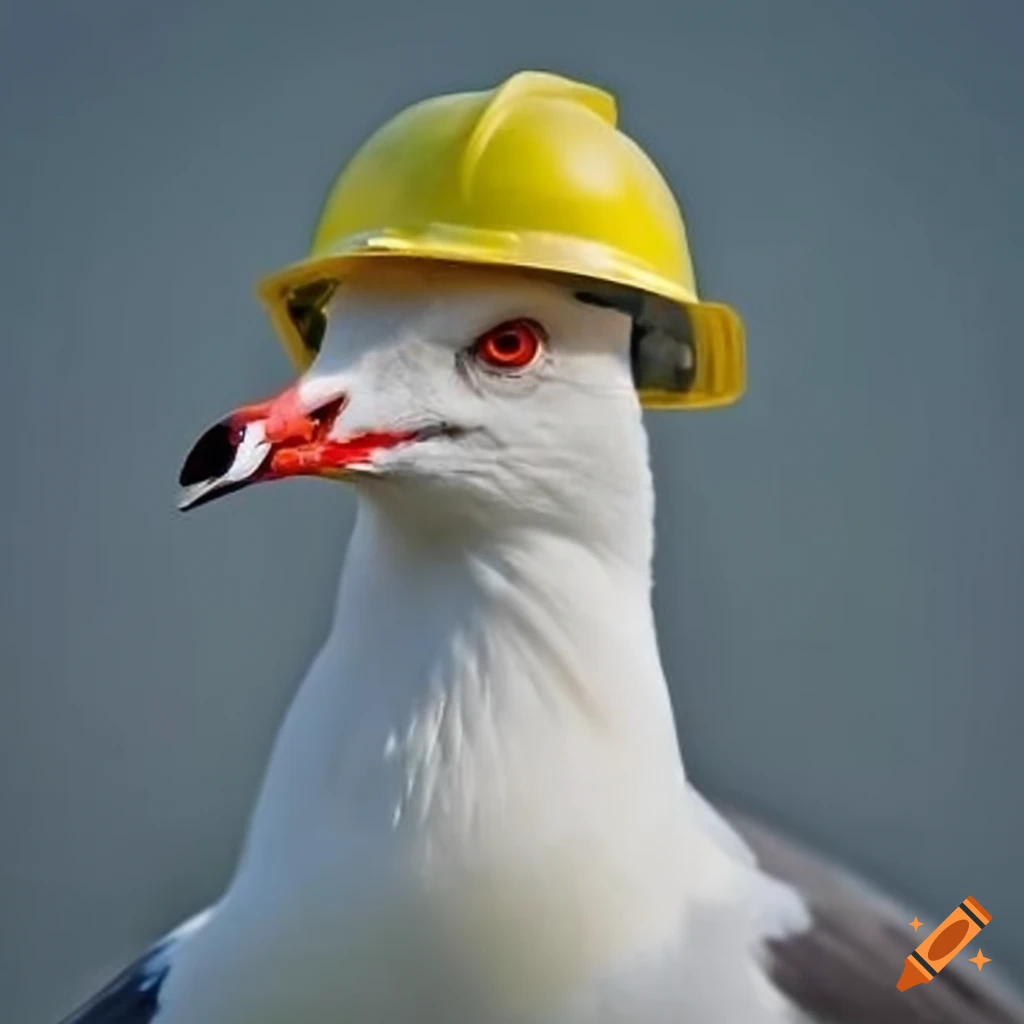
(323, 418)
(211, 456)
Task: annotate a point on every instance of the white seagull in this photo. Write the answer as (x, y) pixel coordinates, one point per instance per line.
(476, 809)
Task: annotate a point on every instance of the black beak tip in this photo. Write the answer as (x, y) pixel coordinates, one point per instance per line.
(211, 456)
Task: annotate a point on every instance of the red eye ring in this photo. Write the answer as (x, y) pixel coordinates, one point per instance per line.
(512, 345)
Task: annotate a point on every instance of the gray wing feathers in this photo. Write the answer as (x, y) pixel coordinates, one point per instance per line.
(844, 969)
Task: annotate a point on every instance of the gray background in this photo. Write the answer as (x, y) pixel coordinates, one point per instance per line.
(840, 571)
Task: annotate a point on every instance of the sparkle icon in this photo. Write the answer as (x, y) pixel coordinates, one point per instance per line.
(915, 924)
(981, 959)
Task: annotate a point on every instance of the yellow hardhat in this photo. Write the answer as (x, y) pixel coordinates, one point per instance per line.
(533, 175)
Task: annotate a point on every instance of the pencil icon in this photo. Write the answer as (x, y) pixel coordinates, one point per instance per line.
(943, 944)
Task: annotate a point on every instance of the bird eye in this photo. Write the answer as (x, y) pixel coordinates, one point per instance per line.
(510, 346)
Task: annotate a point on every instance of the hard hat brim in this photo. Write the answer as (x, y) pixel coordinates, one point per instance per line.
(716, 330)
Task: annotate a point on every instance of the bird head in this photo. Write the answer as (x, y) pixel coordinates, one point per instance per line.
(470, 395)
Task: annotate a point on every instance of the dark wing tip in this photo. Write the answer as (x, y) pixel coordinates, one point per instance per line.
(130, 998)
(133, 997)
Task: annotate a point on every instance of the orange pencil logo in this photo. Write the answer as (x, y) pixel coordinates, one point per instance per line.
(943, 944)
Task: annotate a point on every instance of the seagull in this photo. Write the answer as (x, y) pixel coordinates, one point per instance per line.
(476, 808)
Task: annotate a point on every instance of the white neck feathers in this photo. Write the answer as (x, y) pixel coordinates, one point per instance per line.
(457, 684)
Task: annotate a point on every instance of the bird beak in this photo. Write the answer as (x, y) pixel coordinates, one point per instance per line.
(274, 439)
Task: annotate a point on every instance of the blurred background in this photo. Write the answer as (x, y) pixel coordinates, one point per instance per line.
(840, 574)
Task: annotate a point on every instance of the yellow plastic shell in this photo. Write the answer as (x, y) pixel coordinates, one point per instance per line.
(533, 175)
